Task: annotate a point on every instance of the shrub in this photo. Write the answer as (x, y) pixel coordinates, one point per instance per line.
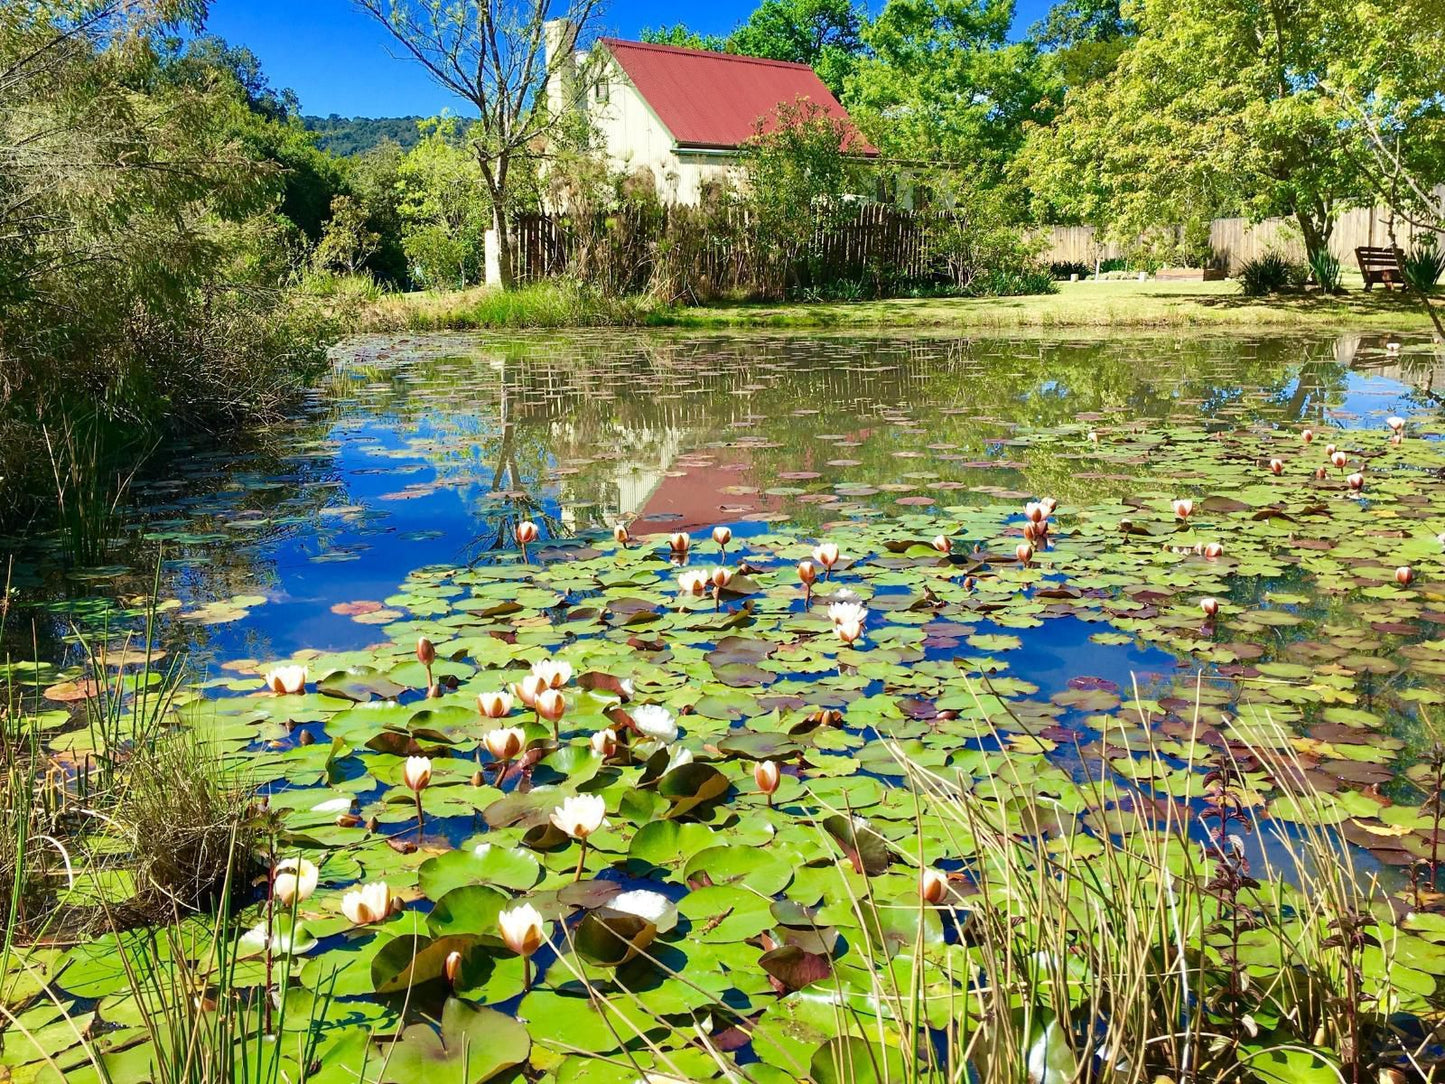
(1325, 267)
(1062, 269)
(1424, 264)
(1012, 282)
(1267, 274)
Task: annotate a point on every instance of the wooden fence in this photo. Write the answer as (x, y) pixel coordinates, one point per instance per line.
(1238, 240)
(718, 250)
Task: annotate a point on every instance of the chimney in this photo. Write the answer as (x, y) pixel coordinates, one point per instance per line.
(559, 37)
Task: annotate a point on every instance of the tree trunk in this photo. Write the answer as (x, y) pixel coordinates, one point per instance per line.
(504, 245)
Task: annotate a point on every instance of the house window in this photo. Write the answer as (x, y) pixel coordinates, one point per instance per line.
(603, 92)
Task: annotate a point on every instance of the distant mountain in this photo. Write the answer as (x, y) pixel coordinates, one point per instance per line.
(356, 135)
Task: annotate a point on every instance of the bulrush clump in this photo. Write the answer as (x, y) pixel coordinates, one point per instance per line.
(367, 905)
(932, 885)
(679, 543)
(1276, 466)
(286, 680)
(1183, 507)
(826, 554)
(1210, 606)
(1404, 575)
(495, 705)
(767, 776)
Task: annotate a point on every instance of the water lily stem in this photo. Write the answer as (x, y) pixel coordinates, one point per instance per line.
(526, 974)
(525, 559)
(581, 858)
(420, 818)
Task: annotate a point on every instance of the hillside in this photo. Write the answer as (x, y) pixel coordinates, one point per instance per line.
(356, 135)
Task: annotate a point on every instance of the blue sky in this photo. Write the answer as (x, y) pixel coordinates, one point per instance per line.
(339, 61)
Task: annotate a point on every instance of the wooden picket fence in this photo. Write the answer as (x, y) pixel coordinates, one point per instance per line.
(714, 251)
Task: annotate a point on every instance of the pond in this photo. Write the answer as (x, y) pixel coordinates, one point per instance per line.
(1099, 654)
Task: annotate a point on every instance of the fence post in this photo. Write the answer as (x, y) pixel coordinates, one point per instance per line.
(492, 259)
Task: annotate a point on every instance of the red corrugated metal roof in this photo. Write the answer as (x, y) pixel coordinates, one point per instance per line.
(715, 100)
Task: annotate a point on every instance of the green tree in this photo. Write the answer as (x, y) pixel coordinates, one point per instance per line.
(1084, 38)
(495, 55)
(443, 207)
(347, 241)
(1216, 107)
(824, 34)
(941, 81)
(680, 35)
(375, 178)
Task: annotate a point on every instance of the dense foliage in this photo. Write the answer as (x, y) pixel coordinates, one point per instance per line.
(349, 136)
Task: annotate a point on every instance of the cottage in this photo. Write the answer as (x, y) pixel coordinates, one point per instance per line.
(680, 115)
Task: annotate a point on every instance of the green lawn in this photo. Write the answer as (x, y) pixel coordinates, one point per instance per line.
(1084, 305)
(1099, 305)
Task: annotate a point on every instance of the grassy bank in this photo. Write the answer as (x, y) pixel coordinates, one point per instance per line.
(1076, 305)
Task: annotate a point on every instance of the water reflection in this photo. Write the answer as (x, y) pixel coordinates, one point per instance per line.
(429, 450)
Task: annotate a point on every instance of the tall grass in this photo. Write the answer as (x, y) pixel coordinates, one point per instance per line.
(89, 486)
(551, 304)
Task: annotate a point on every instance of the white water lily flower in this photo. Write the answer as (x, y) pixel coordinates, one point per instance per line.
(847, 613)
(286, 680)
(522, 928)
(644, 903)
(286, 940)
(553, 672)
(656, 722)
(293, 880)
(368, 904)
(580, 815)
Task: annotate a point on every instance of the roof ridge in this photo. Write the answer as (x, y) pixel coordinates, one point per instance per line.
(712, 53)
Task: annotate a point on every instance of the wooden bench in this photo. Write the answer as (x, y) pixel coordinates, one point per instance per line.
(1380, 265)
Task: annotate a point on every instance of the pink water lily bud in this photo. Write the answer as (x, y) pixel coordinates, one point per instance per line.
(1321, 473)
(417, 772)
(494, 705)
(554, 672)
(527, 532)
(1093, 437)
(721, 577)
(679, 543)
(452, 967)
(1356, 481)
(1034, 511)
(426, 652)
(1213, 550)
(1395, 423)
(1024, 552)
(580, 815)
(1404, 575)
(806, 572)
(826, 554)
(1210, 606)
(1184, 508)
(932, 885)
(604, 742)
(621, 534)
(767, 775)
(1050, 505)
(293, 880)
(550, 705)
(1339, 459)
(1307, 436)
(1276, 466)
(722, 535)
(1330, 450)
(942, 543)
(848, 631)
